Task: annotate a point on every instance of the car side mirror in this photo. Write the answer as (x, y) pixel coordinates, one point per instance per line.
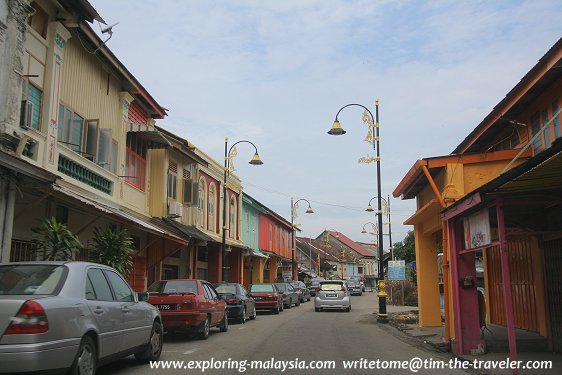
(142, 296)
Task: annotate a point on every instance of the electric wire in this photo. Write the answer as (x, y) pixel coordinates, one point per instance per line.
(351, 208)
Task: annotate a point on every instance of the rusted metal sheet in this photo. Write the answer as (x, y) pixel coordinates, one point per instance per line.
(522, 285)
(553, 271)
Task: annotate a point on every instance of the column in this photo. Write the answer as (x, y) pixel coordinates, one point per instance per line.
(428, 279)
(52, 91)
(125, 100)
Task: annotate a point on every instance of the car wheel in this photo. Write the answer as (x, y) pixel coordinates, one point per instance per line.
(317, 309)
(242, 318)
(308, 299)
(298, 302)
(348, 309)
(204, 334)
(254, 314)
(224, 325)
(154, 346)
(85, 362)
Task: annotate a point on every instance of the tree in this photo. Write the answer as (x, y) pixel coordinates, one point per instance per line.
(114, 248)
(406, 249)
(54, 241)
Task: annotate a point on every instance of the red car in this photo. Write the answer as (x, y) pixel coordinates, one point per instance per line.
(189, 304)
(267, 297)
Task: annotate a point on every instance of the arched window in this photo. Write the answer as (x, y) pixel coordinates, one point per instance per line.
(232, 218)
(211, 208)
(201, 204)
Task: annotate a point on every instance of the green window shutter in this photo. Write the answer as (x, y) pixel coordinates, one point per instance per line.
(34, 95)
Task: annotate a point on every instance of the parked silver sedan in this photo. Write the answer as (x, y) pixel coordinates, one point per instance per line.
(332, 294)
(72, 316)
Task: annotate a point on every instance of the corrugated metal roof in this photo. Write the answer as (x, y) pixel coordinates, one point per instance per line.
(119, 213)
(350, 243)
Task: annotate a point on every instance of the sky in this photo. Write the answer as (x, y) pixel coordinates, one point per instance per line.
(276, 73)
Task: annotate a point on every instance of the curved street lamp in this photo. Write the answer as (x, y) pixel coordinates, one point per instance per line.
(229, 154)
(373, 124)
(375, 229)
(386, 203)
(294, 207)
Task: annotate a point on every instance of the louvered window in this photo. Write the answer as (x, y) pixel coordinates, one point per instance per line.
(172, 180)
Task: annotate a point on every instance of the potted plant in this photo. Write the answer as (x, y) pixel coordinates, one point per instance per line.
(113, 247)
(54, 241)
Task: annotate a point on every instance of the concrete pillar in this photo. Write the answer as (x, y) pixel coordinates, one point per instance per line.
(257, 273)
(273, 269)
(428, 279)
(215, 264)
(125, 100)
(53, 73)
(236, 265)
(185, 269)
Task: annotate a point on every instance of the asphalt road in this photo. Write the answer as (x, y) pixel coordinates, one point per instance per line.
(299, 335)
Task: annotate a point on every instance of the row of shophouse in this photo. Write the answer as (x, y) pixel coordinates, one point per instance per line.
(79, 142)
(494, 209)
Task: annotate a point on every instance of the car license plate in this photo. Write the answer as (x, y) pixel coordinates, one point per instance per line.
(331, 294)
(166, 307)
(257, 298)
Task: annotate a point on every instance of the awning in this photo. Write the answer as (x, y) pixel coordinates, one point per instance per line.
(190, 231)
(120, 214)
(148, 134)
(259, 254)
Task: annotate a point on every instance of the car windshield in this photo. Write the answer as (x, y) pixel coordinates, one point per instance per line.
(315, 282)
(231, 289)
(281, 287)
(31, 279)
(331, 286)
(174, 286)
(262, 288)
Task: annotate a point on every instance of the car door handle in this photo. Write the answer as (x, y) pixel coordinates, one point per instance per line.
(99, 310)
(125, 309)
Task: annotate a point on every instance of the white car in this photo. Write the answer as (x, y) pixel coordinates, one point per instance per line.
(332, 294)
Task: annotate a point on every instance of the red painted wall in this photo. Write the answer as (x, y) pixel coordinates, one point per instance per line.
(283, 247)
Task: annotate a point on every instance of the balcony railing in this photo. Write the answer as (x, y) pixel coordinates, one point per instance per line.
(83, 174)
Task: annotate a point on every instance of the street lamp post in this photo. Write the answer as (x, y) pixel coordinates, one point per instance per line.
(228, 168)
(387, 209)
(294, 207)
(373, 124)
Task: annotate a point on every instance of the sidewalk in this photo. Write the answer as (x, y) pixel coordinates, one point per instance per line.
(405, 320)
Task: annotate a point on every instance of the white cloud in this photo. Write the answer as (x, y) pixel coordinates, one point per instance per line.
(276, 72)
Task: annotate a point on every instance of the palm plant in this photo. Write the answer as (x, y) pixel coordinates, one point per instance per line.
(54, 241)
(114, 248)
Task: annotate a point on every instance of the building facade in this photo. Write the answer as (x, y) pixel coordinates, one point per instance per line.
(496, 201)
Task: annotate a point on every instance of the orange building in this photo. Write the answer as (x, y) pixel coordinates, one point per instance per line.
(496, 200)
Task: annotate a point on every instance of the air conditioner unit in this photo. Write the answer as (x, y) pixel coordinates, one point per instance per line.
(175, 209)
(26, 114)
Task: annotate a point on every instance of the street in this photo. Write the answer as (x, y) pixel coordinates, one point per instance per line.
(299, 335)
